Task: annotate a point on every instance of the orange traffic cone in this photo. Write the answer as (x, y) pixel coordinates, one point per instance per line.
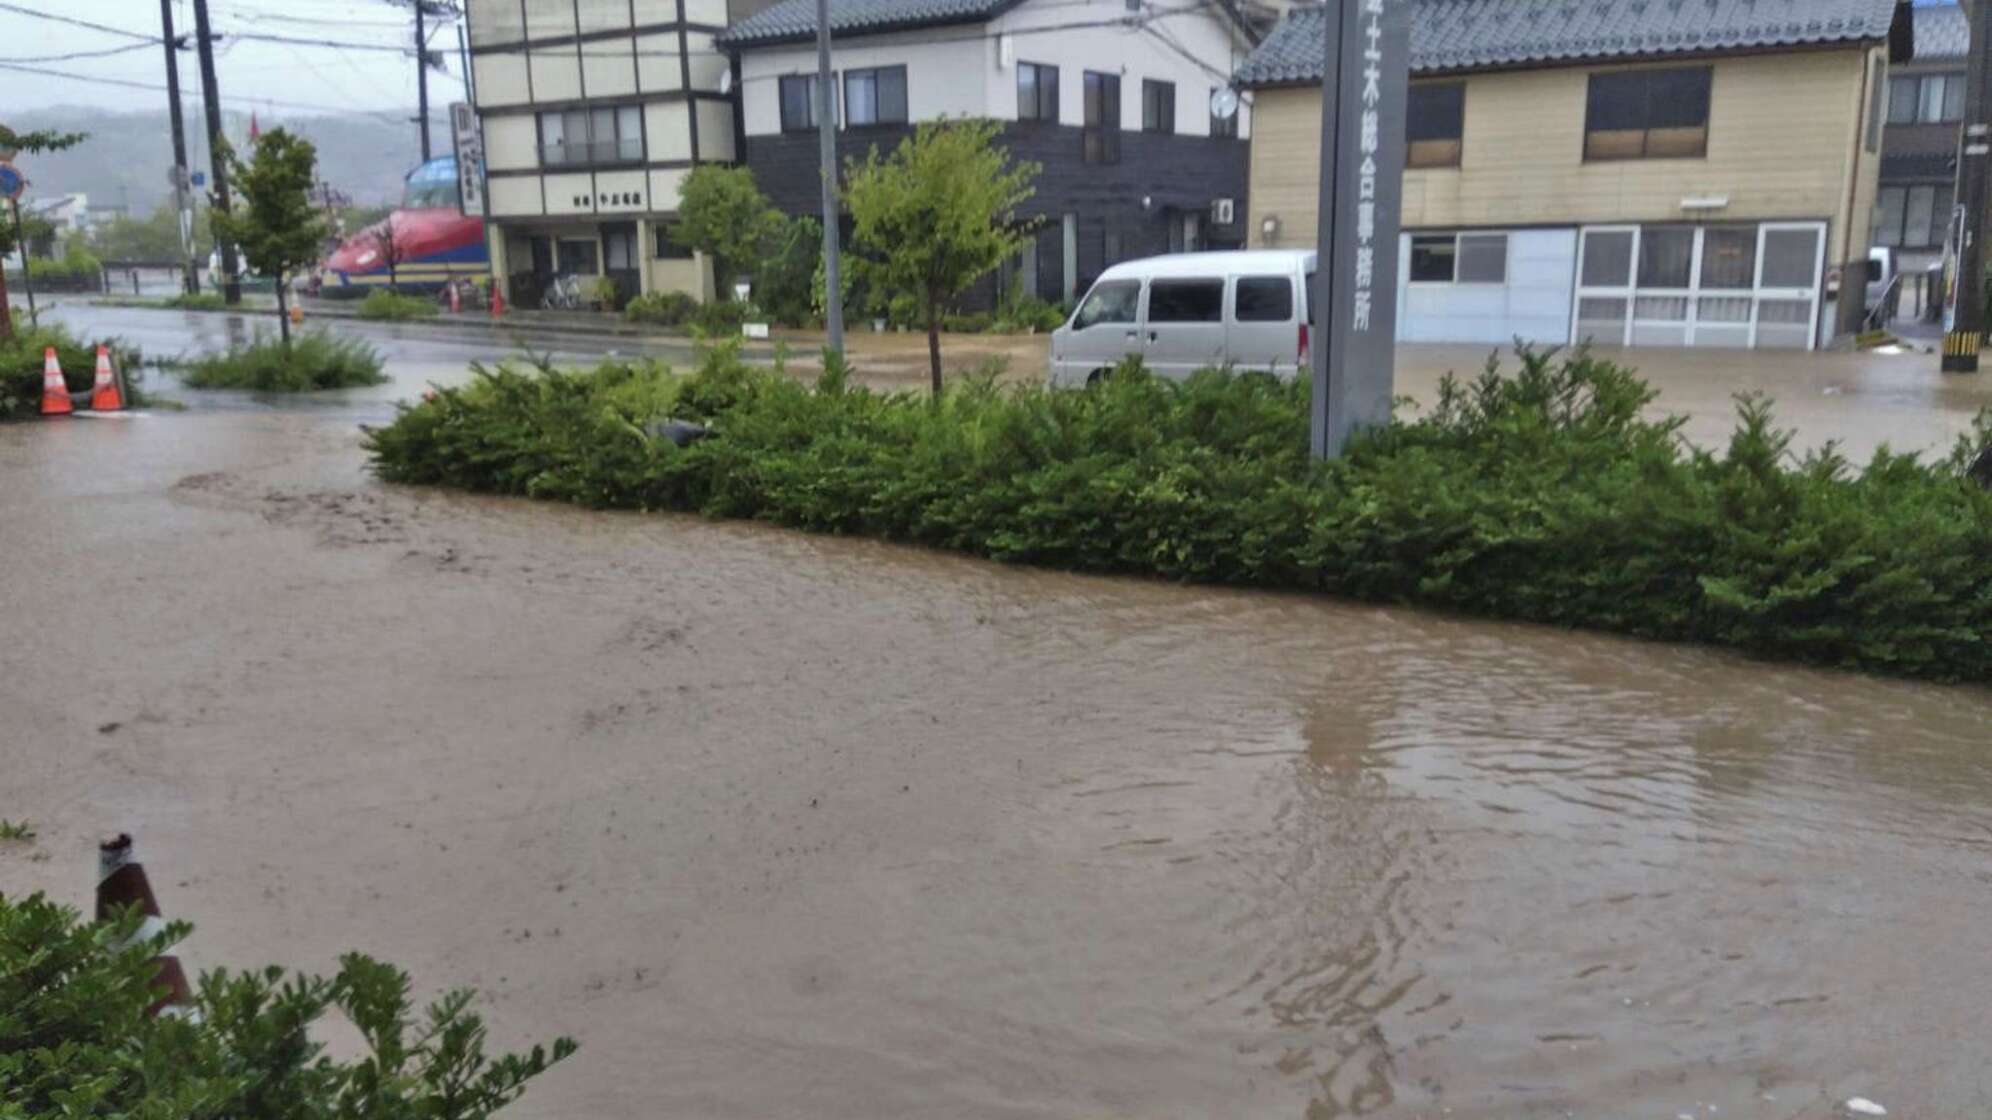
(55, 391)
(497, 301)
(121, 883)
(105, 396)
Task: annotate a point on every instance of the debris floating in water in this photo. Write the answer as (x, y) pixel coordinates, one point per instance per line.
(1865, 1107)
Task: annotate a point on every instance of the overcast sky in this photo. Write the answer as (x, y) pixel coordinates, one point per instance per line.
(286, 77)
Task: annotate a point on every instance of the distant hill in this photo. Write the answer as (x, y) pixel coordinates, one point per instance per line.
(126, 159)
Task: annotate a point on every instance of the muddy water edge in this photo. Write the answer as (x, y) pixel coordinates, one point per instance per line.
(793, 826)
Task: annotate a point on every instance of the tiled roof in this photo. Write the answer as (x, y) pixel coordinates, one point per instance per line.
(1942, 31)
(792, 20)
(1449, 35)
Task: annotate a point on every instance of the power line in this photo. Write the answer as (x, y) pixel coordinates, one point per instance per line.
(85, 54)
(252, 102)
(79, 23)
(265, 37)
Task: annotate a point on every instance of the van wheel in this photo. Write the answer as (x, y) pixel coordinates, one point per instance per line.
(1095, 377)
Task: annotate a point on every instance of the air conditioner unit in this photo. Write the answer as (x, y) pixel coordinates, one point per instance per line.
(1223, 211)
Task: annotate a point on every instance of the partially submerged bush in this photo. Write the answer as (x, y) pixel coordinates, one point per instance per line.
(394, 307)
(21, 359)
(314, 360)
(1547, 495)
(197, 301)
(75, 1039)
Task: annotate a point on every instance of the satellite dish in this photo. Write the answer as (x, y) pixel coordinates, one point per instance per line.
(1224, 103)
(726, 83)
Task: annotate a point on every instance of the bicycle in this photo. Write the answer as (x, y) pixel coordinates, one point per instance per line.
(564, 294)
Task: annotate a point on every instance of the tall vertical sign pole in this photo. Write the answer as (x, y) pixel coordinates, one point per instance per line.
(27, 271)
(190, 280)
(231, 283)
(1365, 70)
(422, 78)
(826, 140)
(1966, 332)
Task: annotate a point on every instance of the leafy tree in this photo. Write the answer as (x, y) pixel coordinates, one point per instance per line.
(274, 222)
(722, 213)
(75, 1039)
(155, 237)
(934, 216)
(46, 140)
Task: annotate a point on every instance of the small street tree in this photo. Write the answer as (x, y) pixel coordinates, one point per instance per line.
(274, 221)
(935, 216)
(387, 243)
(722, 213)
(46, 140)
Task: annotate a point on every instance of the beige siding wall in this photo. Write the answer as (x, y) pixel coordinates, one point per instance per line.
(1783, 139)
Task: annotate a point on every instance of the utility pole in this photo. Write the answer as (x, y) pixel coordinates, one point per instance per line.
(1964, 331)
(189, 276)
(826, 136)
(422, 77)
(210, 93)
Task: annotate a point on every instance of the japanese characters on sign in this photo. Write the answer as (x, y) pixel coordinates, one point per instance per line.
(469, 158)
(1365, 45)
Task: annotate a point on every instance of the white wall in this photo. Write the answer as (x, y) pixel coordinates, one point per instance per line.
(1035, 35)
(1533, 304)
(957, 71)
(940, 76)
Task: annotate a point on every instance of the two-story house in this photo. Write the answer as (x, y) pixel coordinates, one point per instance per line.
(592, 113)
(1122, 103)
(1919, 149)
(1628, 172)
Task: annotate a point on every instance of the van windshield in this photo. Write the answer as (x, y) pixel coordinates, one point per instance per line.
(1110, 301)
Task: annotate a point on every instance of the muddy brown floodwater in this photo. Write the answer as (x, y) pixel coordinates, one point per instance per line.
(783, 826)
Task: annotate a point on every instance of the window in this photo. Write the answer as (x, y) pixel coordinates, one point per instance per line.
(1158, 106)
(1926, 99)
(798, 96)
(1111, 302)
(1223, 128)
(1433, 258)
(1666, 256)
(875, 96)
(1464, 258)
(1186, 301)
(602, 134)
(1037, 92)
(578, 256)
(1264, 299)
(1729, 257)
(1647, 114)
(1434, 117)
(1912, 217)
(668, 248)
(1103, 118)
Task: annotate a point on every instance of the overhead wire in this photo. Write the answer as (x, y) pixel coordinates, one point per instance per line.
(72, 55)
(72, 20)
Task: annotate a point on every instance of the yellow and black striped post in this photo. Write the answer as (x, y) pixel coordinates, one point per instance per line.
(1961, 351)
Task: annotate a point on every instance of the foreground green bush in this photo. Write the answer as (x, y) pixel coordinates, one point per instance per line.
(315, 360)
(394, 307)
(75, 1039)
(21, 367)
(1547, 495)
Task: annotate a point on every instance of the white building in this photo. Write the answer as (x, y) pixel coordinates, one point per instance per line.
(593, 111)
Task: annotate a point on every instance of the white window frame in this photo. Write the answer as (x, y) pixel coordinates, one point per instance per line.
(1757, 293)
(1507, 249)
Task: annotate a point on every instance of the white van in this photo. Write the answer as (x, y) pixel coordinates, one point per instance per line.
(1190, 311)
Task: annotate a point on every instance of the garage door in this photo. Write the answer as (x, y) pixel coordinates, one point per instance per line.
(1489, 286)
(1737, 285)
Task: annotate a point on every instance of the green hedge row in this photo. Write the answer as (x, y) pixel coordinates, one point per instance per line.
(1547, 495)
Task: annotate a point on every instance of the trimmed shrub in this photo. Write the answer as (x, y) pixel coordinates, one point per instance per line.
(662, 309)
(75, 1038)
(722, 317)
(1547, 495)
(315, 360)
(393, 307)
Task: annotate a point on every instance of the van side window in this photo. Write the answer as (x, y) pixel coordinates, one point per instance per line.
(1186, 301)
(1110, 302)
(1264, 299)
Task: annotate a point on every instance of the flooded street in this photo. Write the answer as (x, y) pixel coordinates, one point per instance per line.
(790, 826)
